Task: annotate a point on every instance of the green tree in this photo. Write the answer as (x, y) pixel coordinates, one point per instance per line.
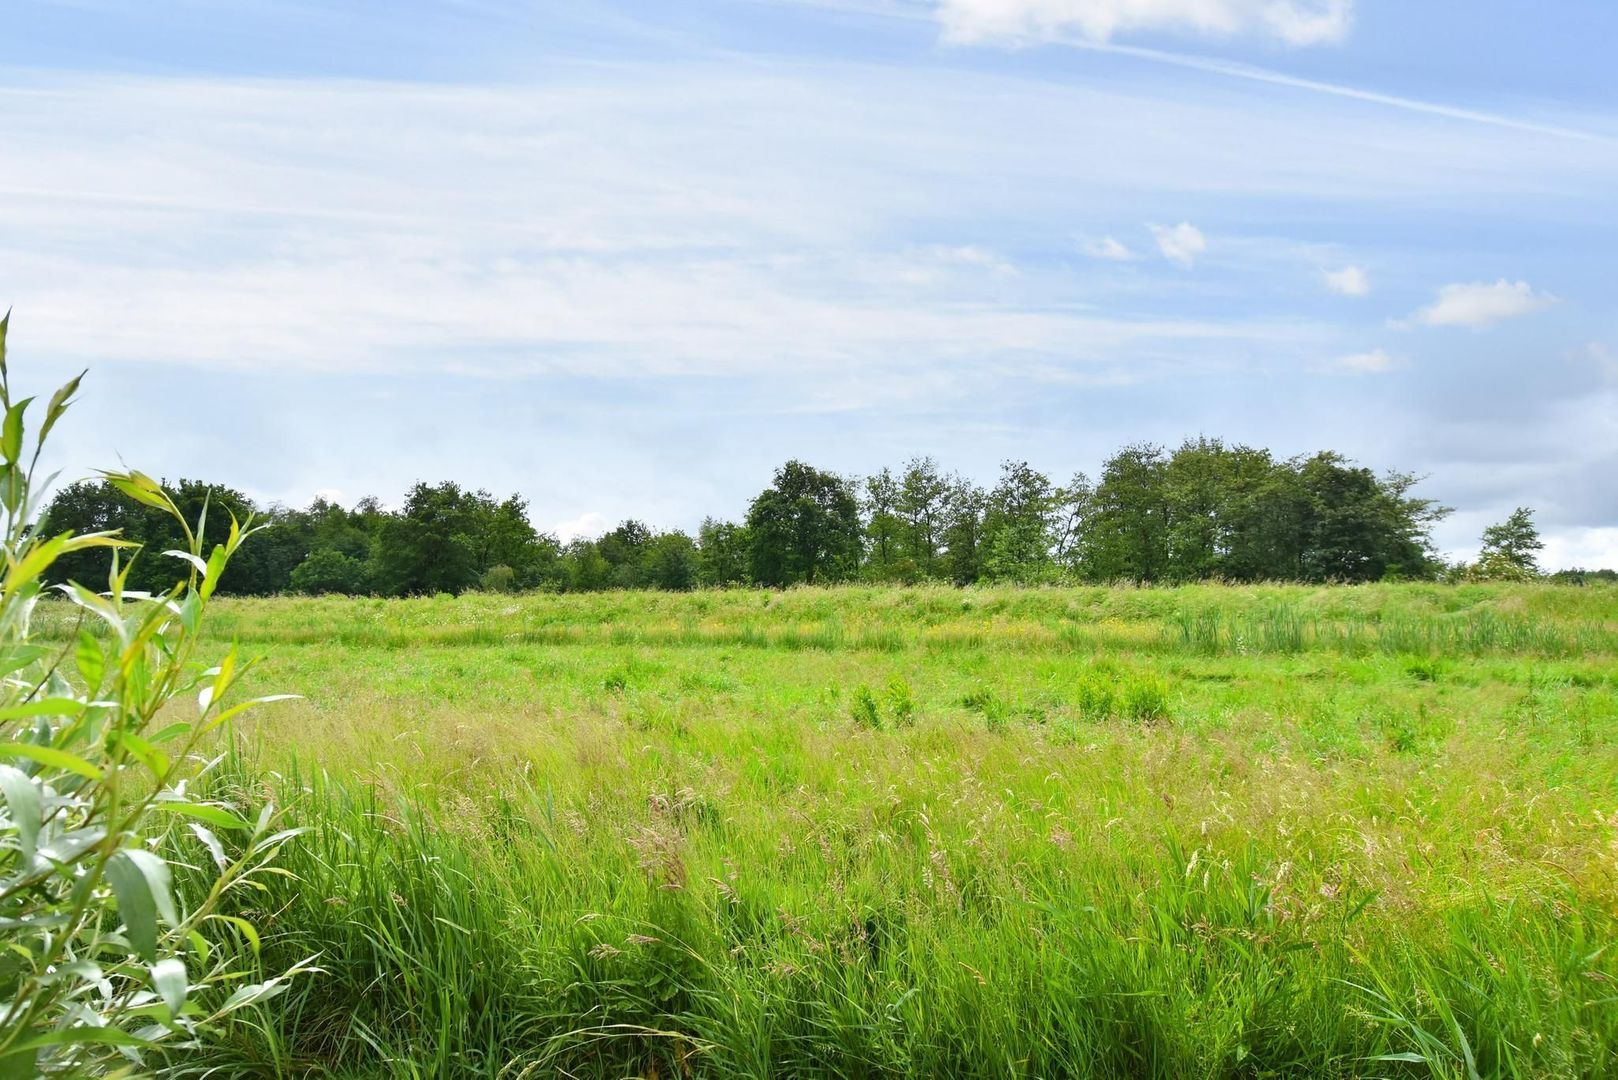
(805, 527)
(884, 529)
(584, 569)
(433, 544)
(1127, 536)
(1213, 496)
(626, 549)
(724, 553)
(330, 571)
(1358, 527)
(923, 508)
(1017, 524)
(1071, 508)
(1509, 547)
(964, 510)
(671, 562)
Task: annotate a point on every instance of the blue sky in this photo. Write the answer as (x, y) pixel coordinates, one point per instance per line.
(625, 258)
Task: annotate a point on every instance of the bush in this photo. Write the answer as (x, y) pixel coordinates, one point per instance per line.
(103, 964)
(901, 702)
(499, 578)
(1095, 698)
(1146, 699)
(863, 708)
(330, 571)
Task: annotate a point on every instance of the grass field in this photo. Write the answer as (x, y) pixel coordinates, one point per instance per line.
(1198, 832)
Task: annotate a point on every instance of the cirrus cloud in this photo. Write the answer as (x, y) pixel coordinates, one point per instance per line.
(1293, 22)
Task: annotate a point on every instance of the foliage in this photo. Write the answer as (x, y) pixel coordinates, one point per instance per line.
(1206, 511)
(1509, 547)
(805, 528)
(640, 833)
(105, 799)
(330, 571)
(1017, 525)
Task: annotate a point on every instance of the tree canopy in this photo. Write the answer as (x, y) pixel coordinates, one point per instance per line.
(1206, 510)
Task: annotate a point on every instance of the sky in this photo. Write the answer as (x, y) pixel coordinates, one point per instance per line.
(625, 258)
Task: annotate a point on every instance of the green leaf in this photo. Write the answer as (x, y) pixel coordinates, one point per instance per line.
(140, 487)
(41, 555)
(78, 1036)
(22, 798)
(170, 982)
(51, 706)
(211, 842)
(91, 660)
(247, 929)
(49, 755)
(201, 567)
(142, 751)
(216, 566)
(141, 882)
(11, 486)
(16, 657)
(169, 732)
(241, 707)
(59, 403)
(251, 995)
(213, 815)
(11, 432)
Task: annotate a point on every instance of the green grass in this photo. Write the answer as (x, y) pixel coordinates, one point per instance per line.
(1203, 832)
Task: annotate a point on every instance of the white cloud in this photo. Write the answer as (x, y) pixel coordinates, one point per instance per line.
(1349, 281)
(973, 255)
(1591, 548)
(1480, 304)
(1373, 362)
(1293, 22)
(331, 495)
(1110, 249)
(586, 526)
(1180, 244)
(444, 229)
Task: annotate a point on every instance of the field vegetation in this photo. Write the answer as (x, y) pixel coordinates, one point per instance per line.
(857, 830)
(1200, 831)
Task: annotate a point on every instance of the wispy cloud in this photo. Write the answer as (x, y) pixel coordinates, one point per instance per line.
(1293, 22)
(1349, 281)
(1108, 248)
(1480, 304)
(1373, 362)
(1180, 244)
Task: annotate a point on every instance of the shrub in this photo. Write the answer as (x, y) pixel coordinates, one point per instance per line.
(103, 963)
(329, 571)
(499, 578)
(864, 710)
(984, 701)
(1146, 699)
(901, 702)
(1095, 698)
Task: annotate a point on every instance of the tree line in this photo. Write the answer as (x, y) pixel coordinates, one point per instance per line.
(1204, 511)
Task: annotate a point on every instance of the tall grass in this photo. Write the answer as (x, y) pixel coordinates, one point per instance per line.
(941, 833)
(503, 940)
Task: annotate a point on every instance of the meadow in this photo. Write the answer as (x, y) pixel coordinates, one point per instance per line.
(1196, 832)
